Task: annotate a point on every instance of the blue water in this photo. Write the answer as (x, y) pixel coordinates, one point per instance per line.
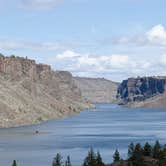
(105, 128)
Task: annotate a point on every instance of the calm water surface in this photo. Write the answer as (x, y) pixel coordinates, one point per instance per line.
(106, 128)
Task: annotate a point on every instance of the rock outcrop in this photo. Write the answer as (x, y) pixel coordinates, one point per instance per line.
(145, 91)
(97, 90)
(31, 93)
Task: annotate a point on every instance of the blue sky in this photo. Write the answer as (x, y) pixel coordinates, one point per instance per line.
(95, 38)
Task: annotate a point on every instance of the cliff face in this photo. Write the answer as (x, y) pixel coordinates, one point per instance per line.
(97, 90)
(149, 91)
(31, 93)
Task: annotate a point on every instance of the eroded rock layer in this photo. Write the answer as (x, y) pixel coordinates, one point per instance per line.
(145, 91)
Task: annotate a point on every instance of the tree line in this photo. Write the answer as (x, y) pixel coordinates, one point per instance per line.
(147, 155)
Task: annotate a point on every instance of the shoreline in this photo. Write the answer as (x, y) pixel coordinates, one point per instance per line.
(62, 116)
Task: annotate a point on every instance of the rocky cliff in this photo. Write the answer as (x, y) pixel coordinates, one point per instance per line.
(31, 93)
(97, 90)
(145, 91)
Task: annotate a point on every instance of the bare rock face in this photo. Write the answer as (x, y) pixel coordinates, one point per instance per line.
(145, 91)
(31, 93)
(97, 90)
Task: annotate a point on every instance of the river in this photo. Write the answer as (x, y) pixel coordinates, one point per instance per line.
(105, 128)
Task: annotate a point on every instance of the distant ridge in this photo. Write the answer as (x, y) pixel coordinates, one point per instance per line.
(97, 90)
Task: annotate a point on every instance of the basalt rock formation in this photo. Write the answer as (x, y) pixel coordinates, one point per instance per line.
(145, 91)
(31, 93)
(97, 90)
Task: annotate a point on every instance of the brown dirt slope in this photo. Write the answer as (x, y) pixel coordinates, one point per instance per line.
(31, 93)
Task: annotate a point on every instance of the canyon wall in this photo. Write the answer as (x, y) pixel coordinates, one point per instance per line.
(143, 91)
(97, 90)
(31, 93)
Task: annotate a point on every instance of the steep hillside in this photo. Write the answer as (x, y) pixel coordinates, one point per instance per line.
(97, 90)
(31, 93)
(145, 91)
(158, 101)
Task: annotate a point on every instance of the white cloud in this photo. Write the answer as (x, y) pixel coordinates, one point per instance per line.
(113, 61)
(156, 36)
(41, 4)
(103, 65)
(119, 61)
(87, 60)
(67, 54)
(115, 66)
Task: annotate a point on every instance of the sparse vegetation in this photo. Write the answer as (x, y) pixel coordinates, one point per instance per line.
(147, 155)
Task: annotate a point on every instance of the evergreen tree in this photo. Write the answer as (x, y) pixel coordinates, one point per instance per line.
(137, 158)
(116, 156)
(156, 150)
(131, 150)
(57, 161)
(90, 160)
(99, 161)
(162, 157)
(68, 162)
(147, 151)
(14, 163)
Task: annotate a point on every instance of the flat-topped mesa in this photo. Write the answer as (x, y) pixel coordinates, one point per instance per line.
(141, 88)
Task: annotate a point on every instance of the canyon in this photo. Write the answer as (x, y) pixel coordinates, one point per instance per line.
(31, 93)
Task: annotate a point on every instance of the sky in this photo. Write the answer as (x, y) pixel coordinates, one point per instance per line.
(90, 38)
